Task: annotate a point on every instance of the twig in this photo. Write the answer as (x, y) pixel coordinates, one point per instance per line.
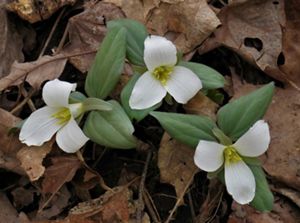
(27, 99)
(52, 32)
(180, 198)
(151, 207)
(191, 206)
(62, 41)
(142, 186)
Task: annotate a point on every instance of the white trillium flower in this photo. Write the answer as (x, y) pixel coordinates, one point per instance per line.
(239, 179)
(57, 116)
(163, 76)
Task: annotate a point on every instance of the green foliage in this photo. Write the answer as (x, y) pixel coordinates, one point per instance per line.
(264, 199)
(188, 129)
(110, 128)
(136, 34)
(236, 117)
(125, 95)
(210, 78)
(108, 64)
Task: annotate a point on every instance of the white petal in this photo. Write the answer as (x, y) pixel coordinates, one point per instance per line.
(255, 141)
(183, 84)
(39, 127)
(159, 52)
(146, 92)
(240, 182)
(56, 93)
(209, 155)
(71, 138)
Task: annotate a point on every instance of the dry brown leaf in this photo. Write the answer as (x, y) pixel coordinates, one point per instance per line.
(9, 143)
(283, 212)
(34, 11)
(254, 30)
(191, 20)
(31, 159)
(87, 30)
(36, 72)
(201, 105)
(11, 44)
(176, 163)
(22, 197)
(62, 170)
(293, 195)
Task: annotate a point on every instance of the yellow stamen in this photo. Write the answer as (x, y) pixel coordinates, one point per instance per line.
(63, 115)
(231, 155)
(162, 73)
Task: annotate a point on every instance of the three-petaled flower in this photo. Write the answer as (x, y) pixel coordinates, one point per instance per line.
(163, 76)
(57, 116)
(239, 179)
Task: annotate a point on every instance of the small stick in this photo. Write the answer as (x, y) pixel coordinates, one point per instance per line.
(22, 103)
(30, 102)
(62, 41)
(151, 207)
(191, 206)
(142, 186)
(51, 32)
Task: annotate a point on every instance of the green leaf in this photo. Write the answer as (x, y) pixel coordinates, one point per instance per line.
(188, 129)
(110, 128)
(263, 200)
(125, 95)
(76, 97)
(210, 78)
(236, 117)
(136, 34)
(90, 104)
(108, 64)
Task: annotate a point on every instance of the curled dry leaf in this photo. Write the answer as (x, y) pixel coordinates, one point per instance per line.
(11, 44)
(191, 20)
(87, 30)
(254, 30)
(34, 11)
(9, 143)
(282, 212)
(200, 104)
(36, 72)
(31, 159)
(176, 164)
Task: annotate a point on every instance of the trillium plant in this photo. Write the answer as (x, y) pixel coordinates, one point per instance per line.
(163, 76)
(227, 149)
(239, 179)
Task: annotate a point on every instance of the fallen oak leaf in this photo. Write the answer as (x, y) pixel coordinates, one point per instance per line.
(36, 72)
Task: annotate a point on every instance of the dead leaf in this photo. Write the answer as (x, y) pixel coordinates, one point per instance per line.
(293, 195)
(62, 170)
(9, 143)
(191, 20)
(282, 212)
(34, 11)
(176, 164)
(22, 197)
(201, 105)
(31, 159)
(11, 44)
(87, 30)
(253, 29)
(35, 73)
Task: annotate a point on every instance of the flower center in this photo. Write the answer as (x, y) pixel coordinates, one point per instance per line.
(231, 155)
(63, 115)
(162, 73)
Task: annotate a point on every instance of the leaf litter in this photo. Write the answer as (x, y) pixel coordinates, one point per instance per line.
(263, 33)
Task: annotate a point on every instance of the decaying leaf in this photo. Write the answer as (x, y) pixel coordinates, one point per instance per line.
(176, 163)
(201, 105)
(9, 143)
(253, 29)
(191, 20)
(34, 11)
(62, 170)
(87, 30)
(36, 72)
(31, 159)
(11, 44)
(22, 197)
(282, 212)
